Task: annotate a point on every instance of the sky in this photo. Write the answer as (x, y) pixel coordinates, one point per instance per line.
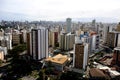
(58, 10)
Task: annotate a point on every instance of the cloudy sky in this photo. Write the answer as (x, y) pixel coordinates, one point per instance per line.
(57, 10)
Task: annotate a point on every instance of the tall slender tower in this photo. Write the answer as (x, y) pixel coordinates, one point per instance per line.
(39, 43)
(68, 24)
(80, 58)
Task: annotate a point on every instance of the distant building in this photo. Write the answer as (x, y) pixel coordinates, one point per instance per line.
(62, 41)
(102, 31)
(9, 40)
(68, 25)
(23, 34)
(118, 27)
(5, 39)
(38, 43)
(15, 38)
(29, 43)
(78, 32)
(1, 32)
(80, 59)
(89, 41)
(95, 42)
(53, 38)
(8, 30)
(4, 49)
(67, 41)
(94, 25)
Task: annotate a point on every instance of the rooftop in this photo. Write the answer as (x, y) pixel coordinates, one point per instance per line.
(59, 59)
(94, 72)
(117, 48)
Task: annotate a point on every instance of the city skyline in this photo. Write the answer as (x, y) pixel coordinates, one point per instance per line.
(58, 10)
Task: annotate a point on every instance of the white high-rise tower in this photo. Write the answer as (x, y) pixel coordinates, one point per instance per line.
(39, 43)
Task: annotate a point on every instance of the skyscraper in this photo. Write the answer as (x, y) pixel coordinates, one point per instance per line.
(94, 25)
(116, 56)
(68, 25)
(118, 27)
(67, 41)
(95, 42)
(80, 58)
(113, 39)
(39, 43)
(53, 38)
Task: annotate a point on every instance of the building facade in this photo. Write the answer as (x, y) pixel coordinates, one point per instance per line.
(67, 41)
(80, 58)
(116, 56)
(38, 43)
(113, 39)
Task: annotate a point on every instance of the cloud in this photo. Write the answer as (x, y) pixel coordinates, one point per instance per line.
(59, 9)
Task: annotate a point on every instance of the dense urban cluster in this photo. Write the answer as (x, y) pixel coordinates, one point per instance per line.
(47, 50)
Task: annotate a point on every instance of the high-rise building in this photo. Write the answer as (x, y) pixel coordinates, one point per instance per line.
(9, 40)
(88, 40)
(4, 49)
(29, 45)
(95, 42)
(53, 38)
(103, 30)
(23, 34)
(94, 25)
(67, 41)
(80, 58)
(116, 56)
(1, 32)
(68, 25)
(62, 41)
(15, 38)
(94, 39)
(39, 43)
(113, 39)
(118, 27)
(1, 55)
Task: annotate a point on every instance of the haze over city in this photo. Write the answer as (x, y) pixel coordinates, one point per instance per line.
(59, 39)
(58, 10)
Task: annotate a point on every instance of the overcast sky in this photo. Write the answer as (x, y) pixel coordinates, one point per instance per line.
(59, 9)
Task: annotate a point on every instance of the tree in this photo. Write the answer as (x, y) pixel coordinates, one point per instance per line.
(70, 75)
(41, 74)
(0, 62)
(50, 68)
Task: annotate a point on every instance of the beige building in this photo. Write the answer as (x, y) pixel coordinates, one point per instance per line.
(1, 55)
(50, 38)
(118, 27)
(110, 39)
(78, 32)
(113, 39)
(53, 38)
(24, 35)
(15, 38)
(59, 61)
(67, 41)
